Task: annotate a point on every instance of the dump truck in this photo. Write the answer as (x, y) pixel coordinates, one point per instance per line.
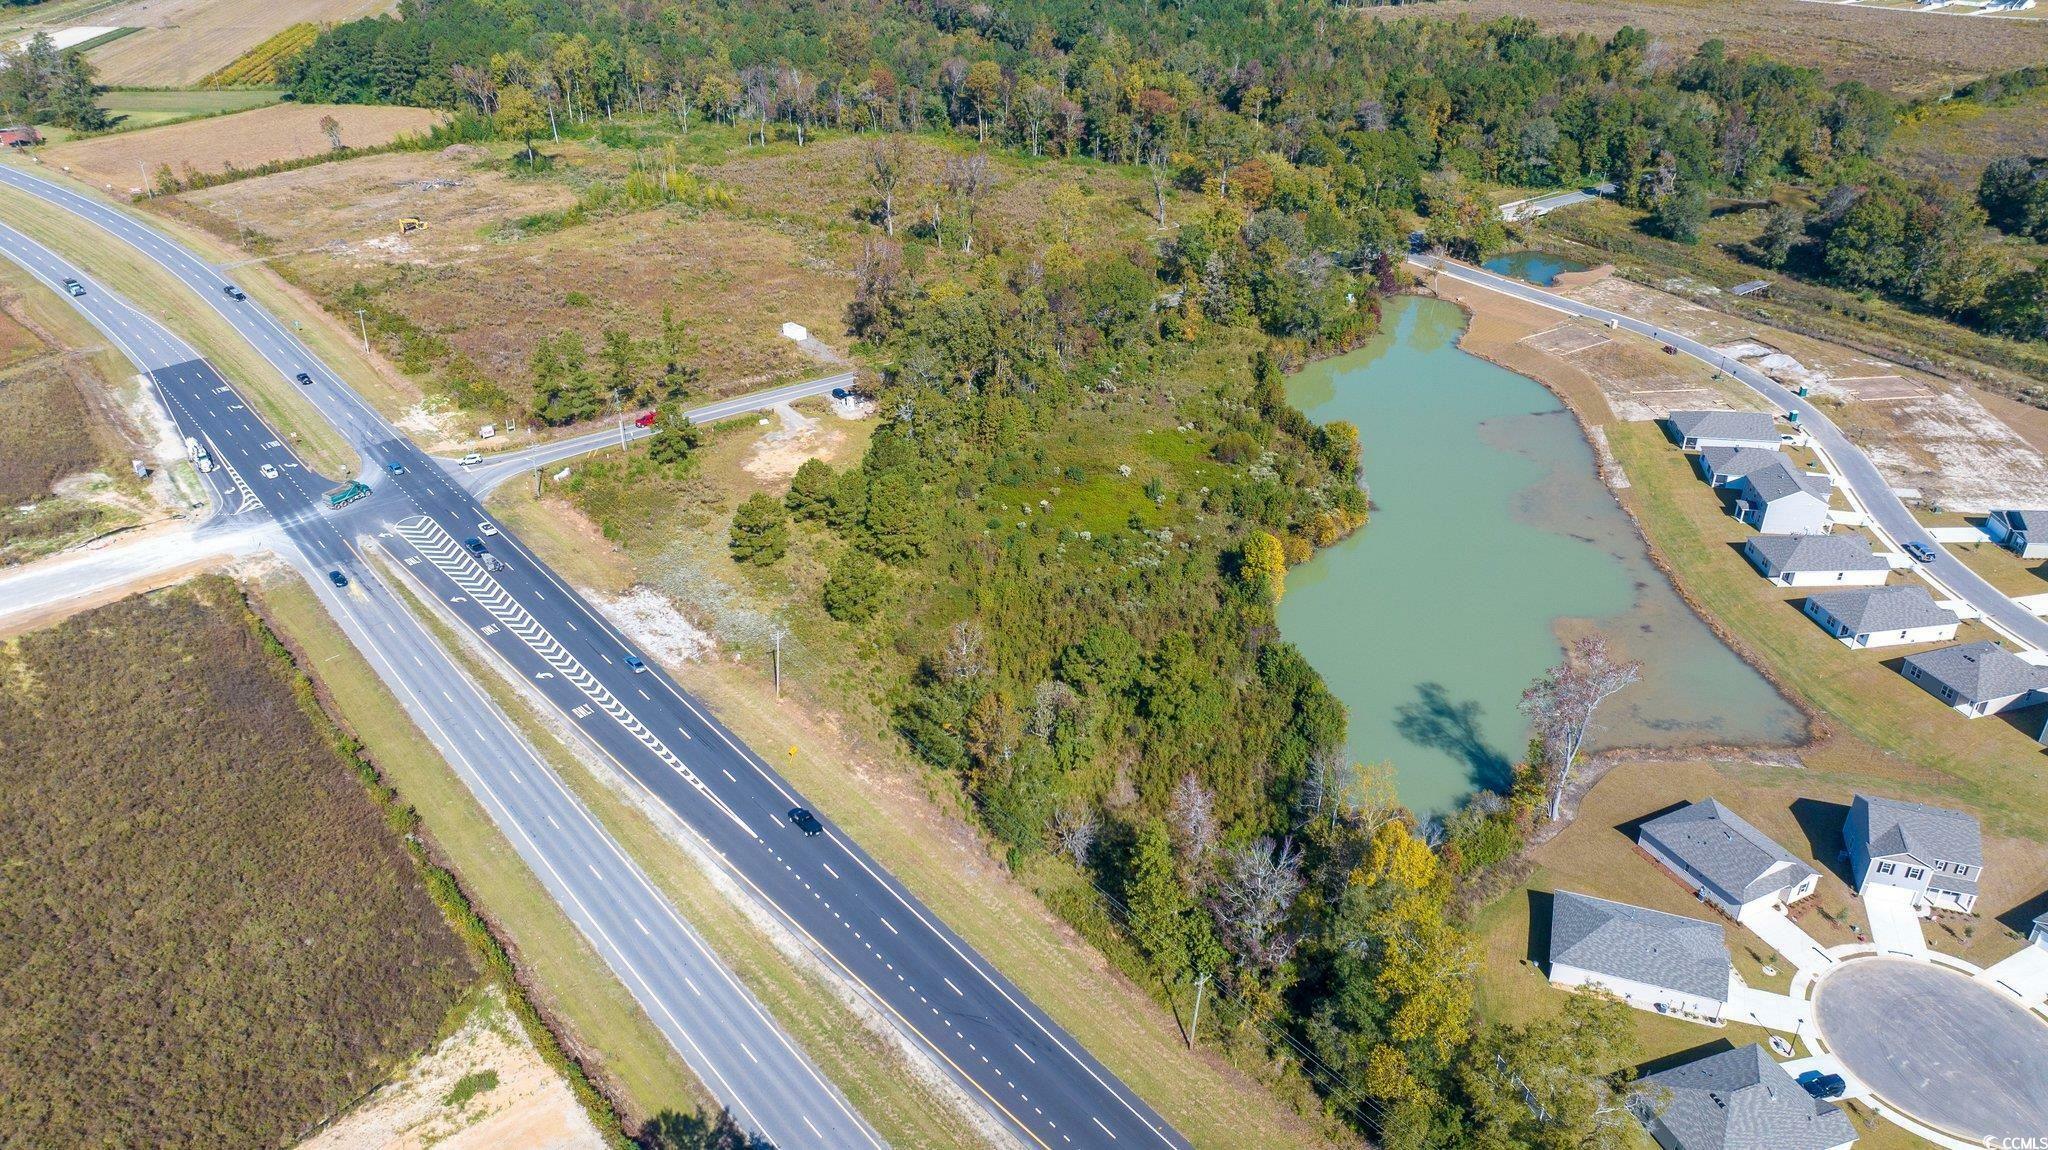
(197, 453)
(347, 493)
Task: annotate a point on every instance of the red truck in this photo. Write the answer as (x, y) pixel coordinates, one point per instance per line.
(644, 419)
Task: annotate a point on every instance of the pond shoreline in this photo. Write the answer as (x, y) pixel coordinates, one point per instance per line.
(1819, 731)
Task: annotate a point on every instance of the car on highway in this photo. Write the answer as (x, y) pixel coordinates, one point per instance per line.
(806, 822)
(486, 528)
(395, 467)
(1920, 552)
(493, 563)
(73, 287)
(233, 292)
(267, 471)
(475, 545)
(304, 379)
(644, 419)
(337, 578)
(638, 664)
(1822, 1085)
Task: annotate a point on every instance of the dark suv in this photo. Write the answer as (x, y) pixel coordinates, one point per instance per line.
(1823, 1085)
(806, 822)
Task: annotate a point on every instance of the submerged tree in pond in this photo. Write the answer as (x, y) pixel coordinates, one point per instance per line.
(1562, 703)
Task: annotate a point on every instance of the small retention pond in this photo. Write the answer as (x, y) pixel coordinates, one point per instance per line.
(1491, 536)
(1538, 268)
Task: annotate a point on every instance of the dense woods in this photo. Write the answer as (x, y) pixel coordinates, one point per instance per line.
(209, 936)
(41, 85)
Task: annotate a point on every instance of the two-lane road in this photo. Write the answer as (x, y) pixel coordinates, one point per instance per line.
(1892, 519)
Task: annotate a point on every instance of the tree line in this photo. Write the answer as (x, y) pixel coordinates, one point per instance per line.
(41, 85)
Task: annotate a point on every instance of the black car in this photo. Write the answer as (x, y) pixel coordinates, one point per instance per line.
(304, 379)
(1823, 1085)
(337, 578)
(233, 292)
(1921, 552)
(806, 822)
(475, 545)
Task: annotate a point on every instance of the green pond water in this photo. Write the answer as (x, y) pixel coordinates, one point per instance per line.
(1538, 268)
(1490, 529)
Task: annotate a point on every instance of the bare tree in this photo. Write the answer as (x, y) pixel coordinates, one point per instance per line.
(1075, 830)
(967, 180)
(332, 127)
(476, 83)
(966, 653)
(878, 277)
(1562, 703)
(1258, 886)
(1049, 701)
(1192, 817)
(884, 165)
(797, 97)
(1156, 167)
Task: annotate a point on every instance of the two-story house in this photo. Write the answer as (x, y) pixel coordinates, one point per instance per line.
(1936, 853)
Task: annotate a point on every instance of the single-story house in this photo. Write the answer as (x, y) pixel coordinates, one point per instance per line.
(19, 136)
(1722, 466)
(1736, 1100)
(1935, 852)
(1843, 560)
(1782, 500)
(1699, 430)
(1977, 679)
(1647, 958)
(1882, 616)
(2024, 533)
(1725, 860)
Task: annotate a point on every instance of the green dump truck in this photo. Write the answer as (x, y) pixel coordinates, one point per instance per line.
(347, 493)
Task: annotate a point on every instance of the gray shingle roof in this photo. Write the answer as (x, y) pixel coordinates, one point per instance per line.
(1740, 862)
(1897, 827)
(1647, 946)
(1780, 479)
(1843, 552)
(1737, 462)
(1978, 672)
(2017, 518)
(1865, 610)
(1740, 1100)
(1751, 425)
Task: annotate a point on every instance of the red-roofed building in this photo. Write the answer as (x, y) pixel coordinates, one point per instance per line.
(20, 137)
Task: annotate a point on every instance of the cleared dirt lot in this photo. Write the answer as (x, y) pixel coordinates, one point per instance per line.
(1906, 52)
(245, 139)
(183, 40)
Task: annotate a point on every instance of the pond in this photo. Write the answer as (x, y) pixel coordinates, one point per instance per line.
(1491, 535)
(1539, 268)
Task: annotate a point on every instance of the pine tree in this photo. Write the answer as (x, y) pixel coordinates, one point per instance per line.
(675, 438)
(895, 518)
(854, 587)
(760, 531)
(810, 490)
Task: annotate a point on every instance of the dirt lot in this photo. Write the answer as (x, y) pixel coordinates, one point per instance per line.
(245, 139)
(1905, 52)
(184, 40)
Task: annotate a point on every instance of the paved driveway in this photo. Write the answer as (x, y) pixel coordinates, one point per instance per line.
(1939, 1046)
(1786, 937)
(1894, 926)
(1769, 1010)
(2025, 974)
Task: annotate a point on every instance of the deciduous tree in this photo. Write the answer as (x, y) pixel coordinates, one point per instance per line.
(1563, 703)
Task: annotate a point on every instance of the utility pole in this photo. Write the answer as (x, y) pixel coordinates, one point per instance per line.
(1201, 983)
(778, 666)
(363, 326)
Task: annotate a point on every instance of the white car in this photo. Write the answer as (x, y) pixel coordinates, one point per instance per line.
(267, 471)
(486, 529)
(472, 459)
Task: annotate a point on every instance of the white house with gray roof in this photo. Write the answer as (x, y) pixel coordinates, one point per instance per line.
(1699, 430)
(1651, 960)
(1736, 1100)
(1977, 679)
(1782, 500)
(1936, 853)
(1882, 616)
(1843, 560)
(1726, 861)
(1722, 466)
(2024, 533)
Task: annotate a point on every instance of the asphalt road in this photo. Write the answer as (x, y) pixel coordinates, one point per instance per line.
(1865, 485)
(720, 1030)
(998, 1045)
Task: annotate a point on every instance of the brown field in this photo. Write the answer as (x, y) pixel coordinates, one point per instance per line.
(245, 139)
(1904, 52)
(184, 40)
(1953, 141)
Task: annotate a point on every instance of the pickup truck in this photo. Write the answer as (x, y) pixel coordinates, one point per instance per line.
(73, 287)
(347, 493)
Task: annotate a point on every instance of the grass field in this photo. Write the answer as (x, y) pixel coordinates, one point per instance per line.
(1954, 140)
(214, 938)
(136, 108)
(127, 162)
(1905, 52)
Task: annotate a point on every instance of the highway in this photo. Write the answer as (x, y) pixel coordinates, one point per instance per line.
(722, 1033)
(994, 1042)
(1863, 484)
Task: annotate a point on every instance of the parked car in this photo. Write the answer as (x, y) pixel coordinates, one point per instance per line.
(267, 471)
(395, 467)
(839, 393)
(1669, 350)
(486, 528)
(304, 379)
(73, 287)
(1823, 1085)
(233, 292)
(1921, 552)
(806, 822)
(337, 578)
(475, 545)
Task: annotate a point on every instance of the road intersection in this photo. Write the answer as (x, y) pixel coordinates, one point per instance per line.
(858, 920)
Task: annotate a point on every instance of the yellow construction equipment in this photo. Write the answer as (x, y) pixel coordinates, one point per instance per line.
(410, 224)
